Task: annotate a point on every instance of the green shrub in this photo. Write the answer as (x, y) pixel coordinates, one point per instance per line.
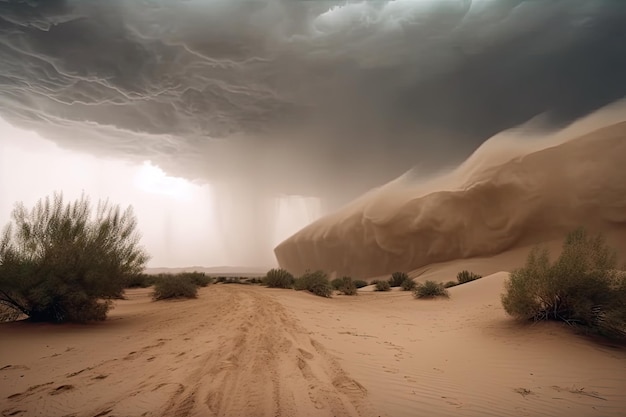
(279, 278)
(466, 276)
(175, 286)
(347, 286)
(139, 281)
(582, 287)
(58, 262)
(336, 283)
(314, 282)
(198, 278)
(382, 286)
(430, 289)
(450, 284)
(397, 278)
(359, 283)
(408, 285)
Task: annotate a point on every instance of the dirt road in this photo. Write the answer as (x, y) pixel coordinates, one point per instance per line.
(234, 351)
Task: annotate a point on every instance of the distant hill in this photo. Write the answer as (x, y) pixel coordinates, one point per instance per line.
(227, 271)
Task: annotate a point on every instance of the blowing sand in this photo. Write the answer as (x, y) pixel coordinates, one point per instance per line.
(251, 351)
(517, 189)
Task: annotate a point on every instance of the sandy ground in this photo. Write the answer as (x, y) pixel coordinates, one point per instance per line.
(251, 351)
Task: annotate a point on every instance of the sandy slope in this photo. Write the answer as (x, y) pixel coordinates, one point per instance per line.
(252, 351)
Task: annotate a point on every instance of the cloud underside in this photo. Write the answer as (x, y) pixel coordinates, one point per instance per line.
(320, 98)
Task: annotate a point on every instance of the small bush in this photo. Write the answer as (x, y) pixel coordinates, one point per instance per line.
(336, 283)
(314, 282)
(397, 278)
(450, 284)
(382, 286)
(582, 287)
(359, 283)
(139, 281)
(175, 286)
(347, 286)
(466, 276)
(279, 278)
(198, 278)
(408, 285)
(430, 289)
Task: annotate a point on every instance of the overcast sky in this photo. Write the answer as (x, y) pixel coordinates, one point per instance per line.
(278, 109)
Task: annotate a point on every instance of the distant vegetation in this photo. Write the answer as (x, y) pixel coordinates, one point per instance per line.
(381, 285)
(279, 278)
(581, 288)
(408, 285)
(315, 282)
(60, 262)
(397, 278)
(175, 286)
(466, 276)
(430, 289)
(347, 286)
(359, 283)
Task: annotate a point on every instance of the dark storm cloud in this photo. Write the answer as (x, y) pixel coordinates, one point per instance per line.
(303, 96)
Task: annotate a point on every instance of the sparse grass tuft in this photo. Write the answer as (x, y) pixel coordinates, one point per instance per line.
(450, 284)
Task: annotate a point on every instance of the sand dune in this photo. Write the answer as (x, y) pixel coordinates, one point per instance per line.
(508, 194)
(251, 351)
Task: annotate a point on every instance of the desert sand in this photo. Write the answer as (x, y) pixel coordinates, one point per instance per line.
(252, 351)
(519, 188)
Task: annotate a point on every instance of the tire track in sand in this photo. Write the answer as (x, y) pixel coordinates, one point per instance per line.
(266, 365)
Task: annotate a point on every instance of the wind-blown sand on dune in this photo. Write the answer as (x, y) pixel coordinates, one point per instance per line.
(252, 351)
(512, 192)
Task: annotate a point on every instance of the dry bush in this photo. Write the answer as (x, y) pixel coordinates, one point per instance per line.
(430, 289)
(175, 286)
(278, 278)
(581, 288)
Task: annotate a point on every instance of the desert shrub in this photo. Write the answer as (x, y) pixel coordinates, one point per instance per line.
(582, 287)
(430, 289)
(139, 281)
(314, 282)
(450, 284)
(198, 278)
(59, 262)
(336, 283)
(397, 278)
(408, 285)
(359, 283)
(382, 286)
(175, 286)
(279, 278)
(467, 276)
(347, 286)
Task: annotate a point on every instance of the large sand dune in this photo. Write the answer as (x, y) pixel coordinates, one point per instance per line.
(514, 191)
(243, 351)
